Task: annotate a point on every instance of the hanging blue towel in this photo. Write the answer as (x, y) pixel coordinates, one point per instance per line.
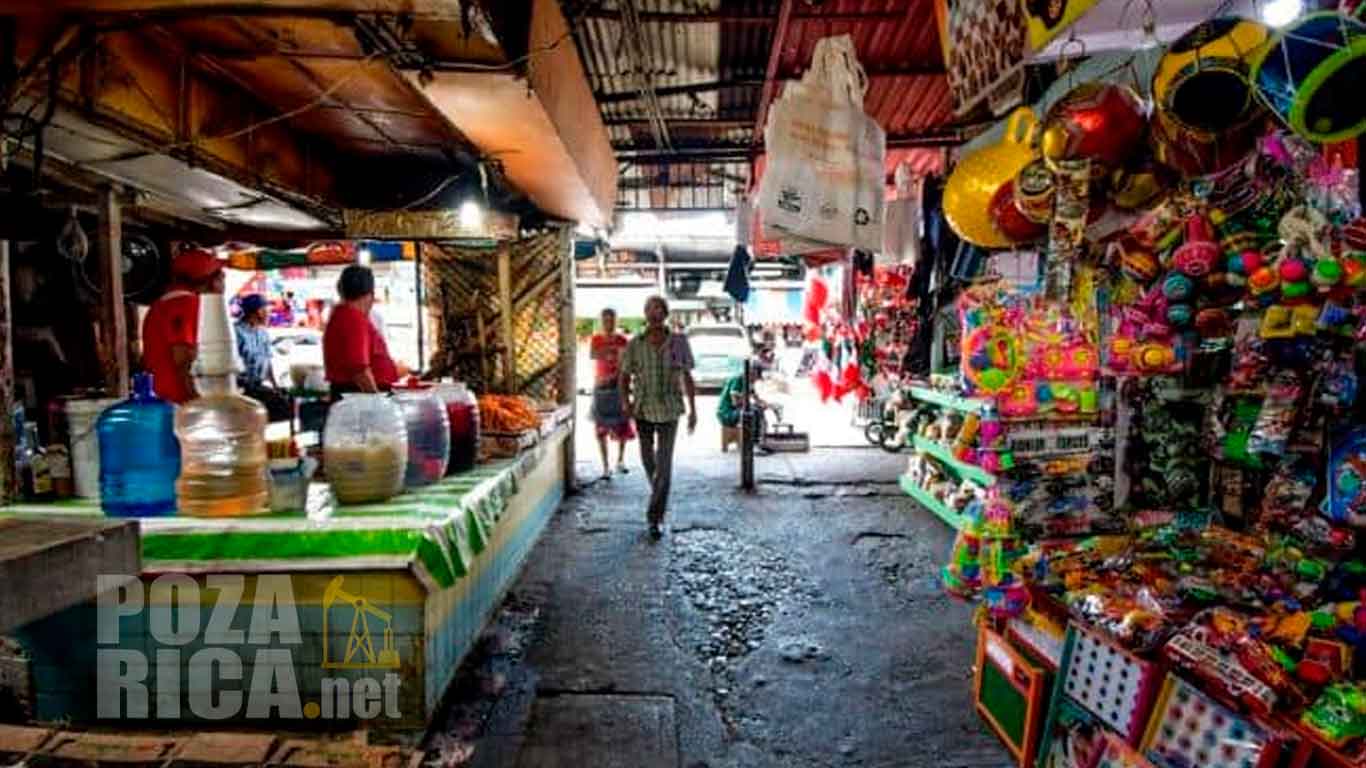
(737, 275)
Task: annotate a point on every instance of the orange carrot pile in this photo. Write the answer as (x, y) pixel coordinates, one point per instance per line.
(507, 413)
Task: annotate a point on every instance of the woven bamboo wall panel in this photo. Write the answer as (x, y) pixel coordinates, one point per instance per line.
(461, 291)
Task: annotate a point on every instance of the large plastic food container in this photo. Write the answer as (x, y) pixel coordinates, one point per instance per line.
(365, 448)
(429, 436)
(462, 411)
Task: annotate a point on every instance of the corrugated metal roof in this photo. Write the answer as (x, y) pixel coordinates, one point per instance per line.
(725, 59)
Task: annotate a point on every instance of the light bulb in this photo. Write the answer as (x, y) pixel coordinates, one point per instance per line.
(1278, 13)
(471, 215)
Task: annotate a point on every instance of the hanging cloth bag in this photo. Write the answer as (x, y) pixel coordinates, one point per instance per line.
(824, 181)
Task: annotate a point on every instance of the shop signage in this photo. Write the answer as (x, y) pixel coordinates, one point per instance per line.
(1048, 18)
(428, 225)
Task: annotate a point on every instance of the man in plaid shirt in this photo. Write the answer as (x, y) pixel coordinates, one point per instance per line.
(656, 371)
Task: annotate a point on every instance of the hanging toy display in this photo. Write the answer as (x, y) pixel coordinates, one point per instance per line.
(977, 179)
(1154, 432)
(1009, 219)
(1097, 122)
(1205, 118)
(1310, 75)
(1201, 82)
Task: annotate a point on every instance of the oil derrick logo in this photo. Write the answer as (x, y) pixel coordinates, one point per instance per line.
(360, 646)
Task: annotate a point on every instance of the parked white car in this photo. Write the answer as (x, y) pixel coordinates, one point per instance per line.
(719, 351)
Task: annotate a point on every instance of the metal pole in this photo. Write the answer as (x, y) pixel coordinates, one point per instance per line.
(9, 483)
(746, 434)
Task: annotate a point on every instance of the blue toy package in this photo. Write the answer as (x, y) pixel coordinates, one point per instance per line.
(1346, 499)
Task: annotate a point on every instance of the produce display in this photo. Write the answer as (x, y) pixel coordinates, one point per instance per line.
(507, 413)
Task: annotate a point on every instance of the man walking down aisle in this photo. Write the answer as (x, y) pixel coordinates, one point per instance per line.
(656, 370)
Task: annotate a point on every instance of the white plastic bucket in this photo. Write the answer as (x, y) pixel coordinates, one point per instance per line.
(81, 417)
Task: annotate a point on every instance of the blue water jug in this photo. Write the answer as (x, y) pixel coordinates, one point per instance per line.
(139, 455)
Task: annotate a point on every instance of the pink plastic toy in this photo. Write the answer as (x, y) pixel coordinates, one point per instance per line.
(1199, 254)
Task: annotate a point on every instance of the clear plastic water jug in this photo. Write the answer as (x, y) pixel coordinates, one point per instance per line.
(462, 411)
(429, 435)
(139, 455)
(365, 448)
(224, 461)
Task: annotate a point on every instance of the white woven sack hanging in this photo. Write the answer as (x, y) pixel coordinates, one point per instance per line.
(823, 182)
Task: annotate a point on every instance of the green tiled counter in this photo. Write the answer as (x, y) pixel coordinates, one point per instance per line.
(435, 561)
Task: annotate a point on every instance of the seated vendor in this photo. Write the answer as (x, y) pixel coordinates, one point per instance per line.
(355, 355)
(732, 400)
(257, 379)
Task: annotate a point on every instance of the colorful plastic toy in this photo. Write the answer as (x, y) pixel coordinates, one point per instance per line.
(1346, 499)
(1199, 254)
(1339, 715)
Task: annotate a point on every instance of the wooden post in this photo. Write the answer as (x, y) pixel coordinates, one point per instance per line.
(569, 386)
(421, 310)
(113, 319)
(9, 484)
(505, 317)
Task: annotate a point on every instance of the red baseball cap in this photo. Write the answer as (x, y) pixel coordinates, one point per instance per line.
(196, 264)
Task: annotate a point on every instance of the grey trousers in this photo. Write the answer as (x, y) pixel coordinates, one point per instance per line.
(658, 459)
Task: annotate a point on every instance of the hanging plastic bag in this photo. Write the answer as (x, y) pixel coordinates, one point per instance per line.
(901, 230)
(825, 175)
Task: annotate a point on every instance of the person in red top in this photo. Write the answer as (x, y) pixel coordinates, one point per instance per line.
(605, 348)
(355, 357)
(170, 330)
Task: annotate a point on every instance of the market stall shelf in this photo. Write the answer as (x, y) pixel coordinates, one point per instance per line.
(393, 593)
(942, 453)
(949, 400)
(955, 520)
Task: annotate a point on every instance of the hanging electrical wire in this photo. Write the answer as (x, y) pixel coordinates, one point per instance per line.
(18, 128)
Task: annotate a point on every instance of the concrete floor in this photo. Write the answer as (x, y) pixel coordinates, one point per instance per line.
(800, 626)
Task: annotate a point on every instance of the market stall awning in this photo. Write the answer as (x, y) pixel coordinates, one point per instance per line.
(317, 106)
(544, 130)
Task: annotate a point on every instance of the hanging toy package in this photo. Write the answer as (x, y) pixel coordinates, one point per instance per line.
(1271, 433)
(1346, 500)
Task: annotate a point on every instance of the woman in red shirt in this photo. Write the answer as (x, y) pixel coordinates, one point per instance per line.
(355, 357)
(607, 413)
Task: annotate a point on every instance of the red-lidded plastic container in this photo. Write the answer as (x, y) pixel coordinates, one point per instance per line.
(462, 410)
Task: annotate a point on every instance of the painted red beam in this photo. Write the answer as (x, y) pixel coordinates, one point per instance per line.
(775, 53)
